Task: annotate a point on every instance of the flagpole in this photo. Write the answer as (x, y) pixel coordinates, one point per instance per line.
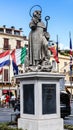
(2, 80)
(70, 63)
(57, 54)
(9, 77)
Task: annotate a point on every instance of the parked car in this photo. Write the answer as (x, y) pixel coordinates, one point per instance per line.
(65, 108)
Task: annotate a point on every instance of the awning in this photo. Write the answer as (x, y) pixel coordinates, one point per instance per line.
(6, 91)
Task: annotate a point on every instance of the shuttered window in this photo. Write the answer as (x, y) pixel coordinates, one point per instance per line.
(18, 44)
(6, 78)
(70, 78)
(6, 44)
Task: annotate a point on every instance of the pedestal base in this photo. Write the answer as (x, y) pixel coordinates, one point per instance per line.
(51, 124)
(40, 101)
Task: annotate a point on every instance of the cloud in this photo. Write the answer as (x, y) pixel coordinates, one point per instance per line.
(63, 46)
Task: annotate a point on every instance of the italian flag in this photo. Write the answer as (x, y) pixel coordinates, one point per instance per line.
(18, 55)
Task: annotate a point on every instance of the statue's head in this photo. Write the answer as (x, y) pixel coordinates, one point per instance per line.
(37, 14)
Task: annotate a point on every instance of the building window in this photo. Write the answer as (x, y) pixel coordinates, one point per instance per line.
(6, 44)
(16, 32)
(6, 78)
(1, 30)
(70, 78)
(65, 63)
(18, 44)
(9, 31)
(64, 70)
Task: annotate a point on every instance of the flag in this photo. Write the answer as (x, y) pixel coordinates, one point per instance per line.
(57, 46)
(1, 70)
(71, 58)
(54, 52)
(4, 58)
(70, 47)
(15, 68)
(18, 55)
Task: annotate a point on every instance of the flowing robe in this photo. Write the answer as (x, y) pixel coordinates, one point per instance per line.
(38, 44)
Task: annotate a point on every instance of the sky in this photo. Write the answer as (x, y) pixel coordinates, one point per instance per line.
(16, 13)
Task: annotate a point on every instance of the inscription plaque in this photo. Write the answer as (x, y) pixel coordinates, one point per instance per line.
(28, 98)
(48, 98)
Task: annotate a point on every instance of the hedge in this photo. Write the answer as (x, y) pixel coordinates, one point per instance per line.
(68, 127)
(4, 126)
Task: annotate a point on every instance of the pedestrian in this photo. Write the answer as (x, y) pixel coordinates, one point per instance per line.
(3, 100)
(12, 100)
(7, 100)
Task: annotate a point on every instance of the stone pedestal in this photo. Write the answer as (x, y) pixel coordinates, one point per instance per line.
(40, 101)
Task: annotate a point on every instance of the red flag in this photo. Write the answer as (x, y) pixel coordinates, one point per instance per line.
(54, 52)
(1, 70)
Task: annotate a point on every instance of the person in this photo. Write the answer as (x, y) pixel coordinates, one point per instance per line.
(3, 100)
(12, 100)
(7, 100)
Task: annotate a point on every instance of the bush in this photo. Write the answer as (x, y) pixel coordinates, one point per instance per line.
(69, 127)
(4, 126)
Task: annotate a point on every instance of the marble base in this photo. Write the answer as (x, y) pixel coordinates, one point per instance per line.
(51, 124)
(38, 119)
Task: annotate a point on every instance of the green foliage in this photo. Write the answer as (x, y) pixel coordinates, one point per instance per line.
(69, 127)
(64, 52)
(5, 126)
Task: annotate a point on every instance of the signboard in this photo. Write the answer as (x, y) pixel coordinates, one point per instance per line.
(28, 98)
(48, 98)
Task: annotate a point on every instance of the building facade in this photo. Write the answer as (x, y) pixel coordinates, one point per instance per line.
(10, 38)
(63, 67)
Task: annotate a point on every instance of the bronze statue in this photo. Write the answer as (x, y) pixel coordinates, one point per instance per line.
(38, 52)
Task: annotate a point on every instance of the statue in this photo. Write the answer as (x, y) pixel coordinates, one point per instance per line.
(38, 52)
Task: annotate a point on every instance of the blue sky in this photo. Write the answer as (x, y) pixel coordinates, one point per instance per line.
(16, 13)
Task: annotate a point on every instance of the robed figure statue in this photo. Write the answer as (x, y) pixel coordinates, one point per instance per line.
(38, 52)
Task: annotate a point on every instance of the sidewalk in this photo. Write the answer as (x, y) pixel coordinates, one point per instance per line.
(6, 109)
(7, 114)
(69, 119)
